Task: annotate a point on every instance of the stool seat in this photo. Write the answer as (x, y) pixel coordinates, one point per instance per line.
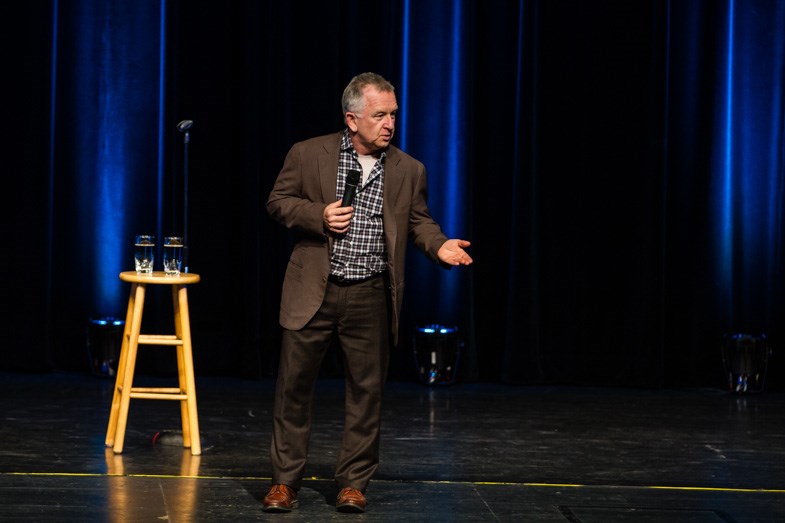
(160, 278)
(124, 390)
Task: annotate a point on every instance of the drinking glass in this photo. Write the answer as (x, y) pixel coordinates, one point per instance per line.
(144, 253)
(173, 255)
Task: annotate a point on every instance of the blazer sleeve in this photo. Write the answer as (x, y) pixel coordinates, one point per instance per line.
(426, 234)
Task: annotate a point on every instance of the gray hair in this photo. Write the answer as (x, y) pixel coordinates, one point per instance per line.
(352, 100)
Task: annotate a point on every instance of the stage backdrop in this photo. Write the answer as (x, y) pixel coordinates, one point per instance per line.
(618, 167)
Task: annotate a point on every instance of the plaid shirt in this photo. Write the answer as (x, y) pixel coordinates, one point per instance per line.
(360, 252)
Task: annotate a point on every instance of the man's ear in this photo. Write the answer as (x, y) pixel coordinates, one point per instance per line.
(351, 122)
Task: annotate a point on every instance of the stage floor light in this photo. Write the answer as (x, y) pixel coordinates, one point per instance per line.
(436, 353)
(745, 360)
(104, 340)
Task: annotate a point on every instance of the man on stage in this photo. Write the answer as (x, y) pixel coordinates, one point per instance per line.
(345, 279)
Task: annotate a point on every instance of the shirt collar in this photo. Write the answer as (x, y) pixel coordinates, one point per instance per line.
(346, 142)
(346, 145)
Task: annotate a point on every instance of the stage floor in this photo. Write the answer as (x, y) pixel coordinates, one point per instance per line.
(467, 452)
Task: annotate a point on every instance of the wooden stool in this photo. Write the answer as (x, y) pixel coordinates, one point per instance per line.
(124, 390)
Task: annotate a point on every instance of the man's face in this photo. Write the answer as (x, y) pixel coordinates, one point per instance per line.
(372, 129)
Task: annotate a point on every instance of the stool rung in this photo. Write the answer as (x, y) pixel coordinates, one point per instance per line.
(159, 339)
(158, 394)
(165, 390)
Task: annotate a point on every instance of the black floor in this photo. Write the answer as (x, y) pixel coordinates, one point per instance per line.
(467, 452)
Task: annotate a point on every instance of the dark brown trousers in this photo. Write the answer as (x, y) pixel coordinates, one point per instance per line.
(358, 314)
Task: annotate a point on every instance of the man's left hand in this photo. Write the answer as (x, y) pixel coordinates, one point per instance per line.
(452, 252)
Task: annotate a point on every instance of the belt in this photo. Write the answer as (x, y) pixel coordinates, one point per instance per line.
(340, 280)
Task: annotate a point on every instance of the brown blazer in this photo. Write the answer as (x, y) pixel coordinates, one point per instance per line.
(304, 187)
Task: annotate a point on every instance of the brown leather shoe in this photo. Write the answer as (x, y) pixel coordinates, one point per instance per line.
(280, 498)
(350, 500)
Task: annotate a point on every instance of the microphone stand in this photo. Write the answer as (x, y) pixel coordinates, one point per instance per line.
(167, 437)
(184, 127)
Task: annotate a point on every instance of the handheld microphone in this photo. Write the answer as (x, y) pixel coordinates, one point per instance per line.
(352, 179)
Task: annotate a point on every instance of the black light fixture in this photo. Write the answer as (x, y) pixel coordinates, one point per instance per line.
(104, 340)
(745, 360)
(436, 353)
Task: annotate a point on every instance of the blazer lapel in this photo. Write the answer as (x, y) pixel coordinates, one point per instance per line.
(328, 174)
(328, 171)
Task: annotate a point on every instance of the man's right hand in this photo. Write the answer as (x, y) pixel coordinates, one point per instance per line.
(336, 218)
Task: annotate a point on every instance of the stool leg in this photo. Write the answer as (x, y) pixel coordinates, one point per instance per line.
(184, 331)
(115, 408)
(128, 369)
(183, 384)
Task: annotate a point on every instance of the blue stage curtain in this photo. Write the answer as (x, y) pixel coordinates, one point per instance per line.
(107, 92)
(617, 165)
(748, 172)
(434, 97)
(725, 177)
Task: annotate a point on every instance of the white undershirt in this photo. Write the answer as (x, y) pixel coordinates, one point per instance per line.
(367, 162)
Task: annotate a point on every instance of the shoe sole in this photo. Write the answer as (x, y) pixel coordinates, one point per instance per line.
(280, 508)
(349, 507)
